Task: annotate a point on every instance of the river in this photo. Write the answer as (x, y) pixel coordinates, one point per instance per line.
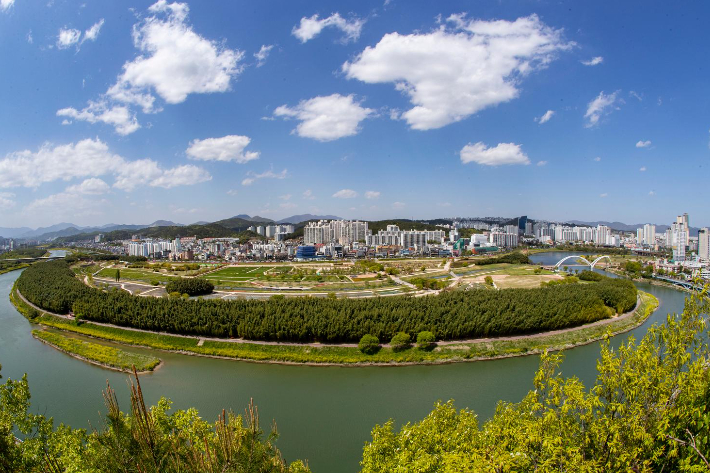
(324, 414)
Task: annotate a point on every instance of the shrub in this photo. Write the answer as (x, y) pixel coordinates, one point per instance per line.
(426, 340)
(369, 344)
(489, 280)
(587, 275)
(401, 341)
(190, 286)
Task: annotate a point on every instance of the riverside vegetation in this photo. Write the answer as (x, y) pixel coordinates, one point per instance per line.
(450, 315)
(648, 410)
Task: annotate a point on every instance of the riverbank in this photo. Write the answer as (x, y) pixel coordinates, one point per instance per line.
(14, 268)
(105, 356)
(349, 355)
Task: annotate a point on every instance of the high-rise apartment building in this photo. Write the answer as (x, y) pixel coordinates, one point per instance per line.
(704, 244)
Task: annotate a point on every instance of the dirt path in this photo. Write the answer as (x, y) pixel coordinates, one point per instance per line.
(352, 345)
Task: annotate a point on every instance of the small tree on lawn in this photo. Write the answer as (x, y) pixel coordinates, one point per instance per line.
(369, 344)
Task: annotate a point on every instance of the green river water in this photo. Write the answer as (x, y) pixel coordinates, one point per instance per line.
(324, 414)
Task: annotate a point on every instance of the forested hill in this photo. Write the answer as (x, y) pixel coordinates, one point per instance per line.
(200, 231)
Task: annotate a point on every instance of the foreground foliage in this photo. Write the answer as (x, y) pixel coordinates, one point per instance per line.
(190, 286)
(145, 440)
(450, 315)
(648, 411)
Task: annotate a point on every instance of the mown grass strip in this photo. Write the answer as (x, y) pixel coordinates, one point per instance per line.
(350, 355)
(109, 357)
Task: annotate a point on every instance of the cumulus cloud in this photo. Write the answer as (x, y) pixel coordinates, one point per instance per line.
(6, 200)
(326, 118)
(345, 194)
(594, 61)
(232, 192)
(173, 62)
(372, 195)
(90, 159)
(92, 186)
(270, 174)
(643, 169)
(285, 197)
(67, 38)
(643, 144)
(545, 117)
(6, 4)
(308, 195)
(602, 105)
(459, 69)
(119, 116)
(597, 159)
(263, 54)
(398, 205)
(542, 163)
(226, 148)
(504, 153)
(603, 195)
(311, 27)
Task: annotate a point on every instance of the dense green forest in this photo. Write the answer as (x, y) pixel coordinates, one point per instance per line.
(189, 286)
(450, 315)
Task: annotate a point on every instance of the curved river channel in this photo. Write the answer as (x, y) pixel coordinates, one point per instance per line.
(324, 414)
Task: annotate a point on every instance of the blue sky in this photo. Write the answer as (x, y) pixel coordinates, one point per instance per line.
(129, 112)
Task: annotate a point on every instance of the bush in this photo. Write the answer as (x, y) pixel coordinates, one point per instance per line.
(426, 340)
(190, 286)
(369, 344)
(587, 275)
(489, 280)
(401, 341)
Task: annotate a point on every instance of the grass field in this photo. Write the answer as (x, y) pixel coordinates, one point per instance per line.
(104, 355)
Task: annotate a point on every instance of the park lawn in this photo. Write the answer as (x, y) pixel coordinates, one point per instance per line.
(104, 355)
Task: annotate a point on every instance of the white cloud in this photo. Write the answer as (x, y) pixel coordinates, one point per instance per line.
(120, 117)
(227, 148)
(643, 169)
(67, 37)
(345, 194)
(643, 144)
(398, 205)
(185, 175)
(651, 193)
(454, 72)
(326, 118)
(92, 186)
(6, 4)
(285, 197)
(51, 163)
(29, 36)
(597, 159)
(232, 192)
(444, 204)
(311, 27)
(546, 117)
(372, 195)
(92, 33)
(601, 105)
(6, 200)
(173, 62)
(89, 159)
(308, 195)
(594, 61)
(270, 174)
(263, 54)
(603, 195)
(288, 205)
(635, 95)
(504, 153)
(542, 163)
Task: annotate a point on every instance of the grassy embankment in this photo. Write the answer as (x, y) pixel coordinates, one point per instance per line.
(7, 269)
(350, 355)
(109, 357)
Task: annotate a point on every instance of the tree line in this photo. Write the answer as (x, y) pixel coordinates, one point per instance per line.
(449, 315)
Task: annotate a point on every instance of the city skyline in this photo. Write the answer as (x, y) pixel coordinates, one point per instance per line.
(142, 111)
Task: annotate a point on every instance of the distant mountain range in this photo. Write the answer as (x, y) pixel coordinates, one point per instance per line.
(237, 224)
